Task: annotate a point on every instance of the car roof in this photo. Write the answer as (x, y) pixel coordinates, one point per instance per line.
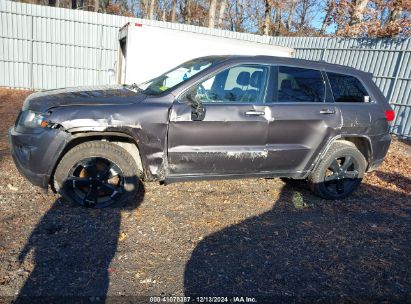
(302, 63)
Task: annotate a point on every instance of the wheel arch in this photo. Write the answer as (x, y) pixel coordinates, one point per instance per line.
(123, 140)
(361, 142)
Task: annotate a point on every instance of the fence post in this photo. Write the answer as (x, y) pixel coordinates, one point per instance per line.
(100, 70)
(397, 72)
(396, 129)
(31, 53)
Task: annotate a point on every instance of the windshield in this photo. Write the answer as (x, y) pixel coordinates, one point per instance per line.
(176, 76)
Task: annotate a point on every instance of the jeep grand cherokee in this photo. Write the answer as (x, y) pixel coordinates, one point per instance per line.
(216, 117)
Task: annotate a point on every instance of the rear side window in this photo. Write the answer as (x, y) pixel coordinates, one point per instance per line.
(300, 85)
(346, 88)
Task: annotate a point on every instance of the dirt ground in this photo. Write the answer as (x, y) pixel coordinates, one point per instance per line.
(257, 237)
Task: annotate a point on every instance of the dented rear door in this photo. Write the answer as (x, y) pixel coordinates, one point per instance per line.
(303, 120)
(297, 134)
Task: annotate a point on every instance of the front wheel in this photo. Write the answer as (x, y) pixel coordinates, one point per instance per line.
(97, 174)
(339, 173)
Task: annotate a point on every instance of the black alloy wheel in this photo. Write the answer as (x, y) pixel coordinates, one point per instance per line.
(341, 176)
(340, 171)
(97, 174)
(96, 182)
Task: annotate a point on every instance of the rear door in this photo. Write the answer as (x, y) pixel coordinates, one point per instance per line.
(303, 119)
(231, 137)
(355, 104)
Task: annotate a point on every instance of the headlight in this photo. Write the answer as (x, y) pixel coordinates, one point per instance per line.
(30, 119)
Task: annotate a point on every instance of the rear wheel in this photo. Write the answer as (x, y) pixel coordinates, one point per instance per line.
(339, 173)
(97, 174)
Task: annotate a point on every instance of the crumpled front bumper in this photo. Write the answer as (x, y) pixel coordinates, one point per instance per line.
(36, 155)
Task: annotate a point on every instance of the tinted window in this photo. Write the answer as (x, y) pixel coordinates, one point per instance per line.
(346, 88)
(300, 85)
(244, 83)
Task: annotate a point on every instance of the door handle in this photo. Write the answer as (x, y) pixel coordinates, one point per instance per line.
(255, 113)
(327, 111)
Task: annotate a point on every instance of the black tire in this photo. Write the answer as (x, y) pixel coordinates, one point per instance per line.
(97, 174)
(339, 173)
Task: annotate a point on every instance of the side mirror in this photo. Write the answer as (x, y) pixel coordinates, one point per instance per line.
(198, 113)
(198, 110)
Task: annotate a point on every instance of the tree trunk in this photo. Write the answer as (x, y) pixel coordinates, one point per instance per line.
(327, 17)
(174, 11)
(187, 12)
(96, 5)
(277, 21)
(221, 14)
(211, 14)
(291, 14)
(151, 10)
(223, 6)
(163, 15)
(267, 18)
(303, 15)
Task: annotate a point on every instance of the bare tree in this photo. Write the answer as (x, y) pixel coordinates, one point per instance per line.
(306, 10)
(174, 11)
(237, 15)
(277, 19)
(151, 9)
(164, 14)
(223, 6)
(329, 8)
(396, 9)
(398, 19)
(145, 8)
(267, 17)
(349, 18)
(212, 13)
(291, 13)
(186, 12)
(303, 14)
(357, 13)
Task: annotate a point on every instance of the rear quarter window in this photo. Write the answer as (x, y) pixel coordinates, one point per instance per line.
(346, 88)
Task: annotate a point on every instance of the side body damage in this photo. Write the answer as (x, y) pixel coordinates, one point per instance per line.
(229, 141)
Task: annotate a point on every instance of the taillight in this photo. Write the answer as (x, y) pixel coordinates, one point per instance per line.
(389, 115)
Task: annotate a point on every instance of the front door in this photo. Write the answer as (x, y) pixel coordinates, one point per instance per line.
(231, 137)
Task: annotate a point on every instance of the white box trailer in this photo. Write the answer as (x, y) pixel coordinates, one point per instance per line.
(147, 51)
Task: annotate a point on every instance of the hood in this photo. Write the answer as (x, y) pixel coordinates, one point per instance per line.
(98, 95)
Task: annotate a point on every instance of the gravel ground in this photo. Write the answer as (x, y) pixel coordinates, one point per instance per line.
(256, 237)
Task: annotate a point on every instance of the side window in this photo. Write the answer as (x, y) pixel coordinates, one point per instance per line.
(346, 88)
(245, 83)
(300, 85)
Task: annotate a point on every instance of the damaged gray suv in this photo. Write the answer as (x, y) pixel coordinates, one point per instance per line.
(217, 117)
